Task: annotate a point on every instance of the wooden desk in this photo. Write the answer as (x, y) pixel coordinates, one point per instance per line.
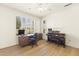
(24, 39)
(58, 38)
(61, 39)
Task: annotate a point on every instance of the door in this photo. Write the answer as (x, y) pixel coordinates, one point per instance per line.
(44, 30)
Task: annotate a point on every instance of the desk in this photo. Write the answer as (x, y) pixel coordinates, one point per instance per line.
(24, 39)
(58, 38)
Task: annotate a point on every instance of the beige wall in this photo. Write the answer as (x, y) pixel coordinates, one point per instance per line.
(66, 21)
(8, 25)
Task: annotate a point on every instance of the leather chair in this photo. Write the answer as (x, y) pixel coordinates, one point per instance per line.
(33, 40)
(38, 36)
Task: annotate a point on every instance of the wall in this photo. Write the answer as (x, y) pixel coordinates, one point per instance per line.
(8, 25)
(66, 21)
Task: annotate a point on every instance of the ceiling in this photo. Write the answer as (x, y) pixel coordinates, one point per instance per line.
(37, 9)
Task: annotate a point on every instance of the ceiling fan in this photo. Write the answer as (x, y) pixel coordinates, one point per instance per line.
(68, 4)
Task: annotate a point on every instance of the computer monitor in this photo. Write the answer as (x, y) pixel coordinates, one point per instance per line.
(49, 30)
(20, 32)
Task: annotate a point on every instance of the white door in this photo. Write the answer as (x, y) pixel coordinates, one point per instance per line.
(44, 30)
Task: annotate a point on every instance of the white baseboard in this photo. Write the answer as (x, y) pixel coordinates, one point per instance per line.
(74, 46)
(8, 45)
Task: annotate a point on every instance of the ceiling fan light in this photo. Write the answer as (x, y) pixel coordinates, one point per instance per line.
(42, 9)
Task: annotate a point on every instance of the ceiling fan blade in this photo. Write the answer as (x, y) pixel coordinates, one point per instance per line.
(67, 4)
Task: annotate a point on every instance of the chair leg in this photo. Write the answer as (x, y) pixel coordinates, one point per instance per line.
(32, 45)
(64, 45)
(36, 44)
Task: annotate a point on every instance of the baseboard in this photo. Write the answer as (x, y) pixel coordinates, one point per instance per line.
(73, 46)
(8, 45)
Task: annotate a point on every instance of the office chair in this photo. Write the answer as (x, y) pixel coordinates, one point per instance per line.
(33, 40)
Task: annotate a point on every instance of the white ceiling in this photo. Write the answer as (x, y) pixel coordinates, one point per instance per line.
(38, 9)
